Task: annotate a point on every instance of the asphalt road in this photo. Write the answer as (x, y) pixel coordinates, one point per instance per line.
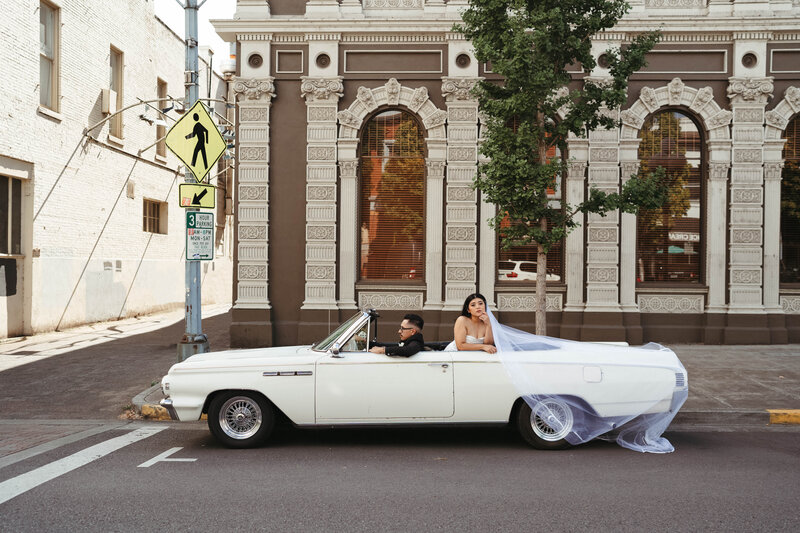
(398, 480)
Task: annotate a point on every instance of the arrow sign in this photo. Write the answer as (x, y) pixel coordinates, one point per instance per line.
(197, 195)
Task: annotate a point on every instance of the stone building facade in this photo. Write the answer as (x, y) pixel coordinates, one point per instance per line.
(317, 78)
(90, 223)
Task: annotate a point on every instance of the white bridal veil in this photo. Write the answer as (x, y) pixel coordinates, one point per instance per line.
(538, 381)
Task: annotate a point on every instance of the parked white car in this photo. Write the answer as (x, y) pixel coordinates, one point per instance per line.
(337, 382)
(520, 271)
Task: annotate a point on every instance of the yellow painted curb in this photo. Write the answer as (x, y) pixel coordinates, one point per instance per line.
(784, 416)
(154, 412)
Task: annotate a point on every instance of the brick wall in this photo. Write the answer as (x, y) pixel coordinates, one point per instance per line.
(86, 256)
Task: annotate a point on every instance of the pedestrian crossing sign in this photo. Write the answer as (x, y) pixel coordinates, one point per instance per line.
(196, 141)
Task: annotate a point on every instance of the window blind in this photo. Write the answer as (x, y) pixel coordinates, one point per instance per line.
(392, 199)
(790, 205)
(669, 240)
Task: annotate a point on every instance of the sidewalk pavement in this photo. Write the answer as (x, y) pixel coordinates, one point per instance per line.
(728, 385)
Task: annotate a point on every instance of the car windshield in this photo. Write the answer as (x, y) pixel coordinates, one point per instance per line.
(328, 341)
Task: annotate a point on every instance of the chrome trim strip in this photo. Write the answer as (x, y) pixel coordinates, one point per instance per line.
(288, 373)
(166, 403)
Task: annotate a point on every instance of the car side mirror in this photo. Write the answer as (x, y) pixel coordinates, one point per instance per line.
(335, 349)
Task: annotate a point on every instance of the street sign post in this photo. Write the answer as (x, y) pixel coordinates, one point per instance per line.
(197, 195)
(199, 236)
(196, 141)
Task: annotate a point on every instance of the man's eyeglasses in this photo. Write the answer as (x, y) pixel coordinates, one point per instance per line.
(405, 329)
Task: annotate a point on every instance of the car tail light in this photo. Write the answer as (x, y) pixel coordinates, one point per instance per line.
(511, 275)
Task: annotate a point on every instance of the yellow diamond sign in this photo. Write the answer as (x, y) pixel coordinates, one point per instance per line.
(196, 141)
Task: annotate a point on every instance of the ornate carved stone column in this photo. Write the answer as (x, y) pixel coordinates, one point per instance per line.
(772, 230)
(433, 233)
(574, 252)
(627, 261)
(462, 200)
(488, 239)
(602, 268)
(322, 97)
(254, 97)
(716, 209)
(748, 98)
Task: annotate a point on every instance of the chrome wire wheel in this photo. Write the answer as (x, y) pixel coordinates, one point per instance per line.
(240, 417)
(551, 420)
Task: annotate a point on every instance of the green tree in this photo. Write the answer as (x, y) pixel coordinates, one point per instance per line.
(532, 44)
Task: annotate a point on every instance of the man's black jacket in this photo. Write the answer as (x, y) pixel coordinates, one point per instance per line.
(407, 348)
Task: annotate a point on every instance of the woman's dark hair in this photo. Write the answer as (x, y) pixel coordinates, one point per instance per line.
(465, 309)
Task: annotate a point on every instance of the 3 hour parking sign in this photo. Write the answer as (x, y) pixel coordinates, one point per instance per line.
(199, 236)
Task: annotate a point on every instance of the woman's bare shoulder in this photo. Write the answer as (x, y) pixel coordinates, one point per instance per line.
(462, 320)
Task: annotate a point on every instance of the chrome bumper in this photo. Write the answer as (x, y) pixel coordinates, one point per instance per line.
(166, 403)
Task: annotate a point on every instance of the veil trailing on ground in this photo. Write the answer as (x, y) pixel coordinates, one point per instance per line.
(559, 416)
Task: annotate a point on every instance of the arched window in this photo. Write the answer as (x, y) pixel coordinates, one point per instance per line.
(391, 198)
(669, 240)
(790, 205)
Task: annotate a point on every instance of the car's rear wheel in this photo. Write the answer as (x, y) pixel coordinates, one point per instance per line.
(240, 419)
(546, 425)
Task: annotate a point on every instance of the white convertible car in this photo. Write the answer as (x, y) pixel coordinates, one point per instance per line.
(338, 382)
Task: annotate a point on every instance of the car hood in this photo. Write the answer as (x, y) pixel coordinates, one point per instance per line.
(278, 356)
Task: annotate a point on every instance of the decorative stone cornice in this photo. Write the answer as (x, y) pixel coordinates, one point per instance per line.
(754, 90)
(321, 88)
(792, 95)
(254, 88)
(775, 119)
(348, 118)
(718, 171)
(721, 118)
(458, 88)
(393, 4)
(675, 91)
(772, 171)
(393, 91)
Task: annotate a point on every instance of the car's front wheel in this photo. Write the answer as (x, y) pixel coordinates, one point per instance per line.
(546, 425)
(240, 419)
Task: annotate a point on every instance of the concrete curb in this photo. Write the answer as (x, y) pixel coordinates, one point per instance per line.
(145, 406)
(784, 416)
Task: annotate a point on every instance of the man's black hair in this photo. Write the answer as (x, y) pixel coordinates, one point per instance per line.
(415, 320)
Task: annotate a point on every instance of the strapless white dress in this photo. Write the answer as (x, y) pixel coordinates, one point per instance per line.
(470, 340)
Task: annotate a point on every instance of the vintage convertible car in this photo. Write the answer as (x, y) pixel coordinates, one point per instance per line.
(338, 382)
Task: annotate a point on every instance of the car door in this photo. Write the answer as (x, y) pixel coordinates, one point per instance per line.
(360, 386)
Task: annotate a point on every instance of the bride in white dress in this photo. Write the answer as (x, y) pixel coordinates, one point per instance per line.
(472, 330)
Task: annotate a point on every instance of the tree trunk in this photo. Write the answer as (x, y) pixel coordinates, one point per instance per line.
(541, 256)
(541, 286)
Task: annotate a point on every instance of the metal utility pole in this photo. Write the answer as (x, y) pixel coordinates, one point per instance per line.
(193, 341)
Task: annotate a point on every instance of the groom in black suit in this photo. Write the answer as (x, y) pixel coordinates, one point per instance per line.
(411, 340)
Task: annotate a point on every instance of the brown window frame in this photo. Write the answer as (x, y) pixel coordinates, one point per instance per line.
(10, 215)
(416, 274)
(701, 197)
(154, 216)
(791, 159)
(50, 58)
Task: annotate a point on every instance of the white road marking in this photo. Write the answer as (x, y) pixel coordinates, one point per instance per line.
(53, 444)
(15, 486)
(162, 458)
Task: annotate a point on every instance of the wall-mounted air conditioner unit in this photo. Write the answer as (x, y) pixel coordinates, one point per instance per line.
(108, 101)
